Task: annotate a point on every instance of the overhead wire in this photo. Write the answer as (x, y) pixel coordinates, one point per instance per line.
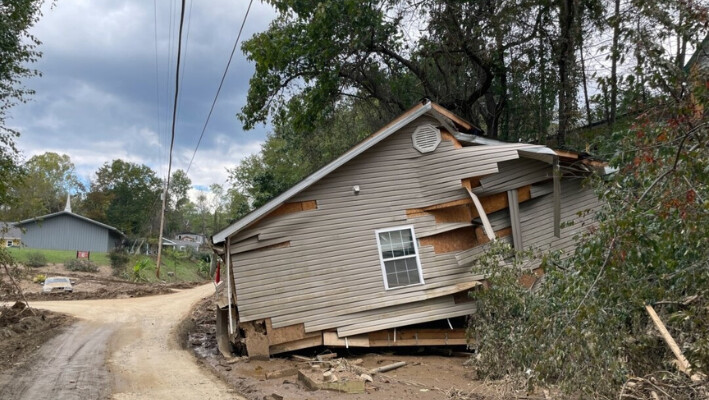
(172, 136)
(221, 83)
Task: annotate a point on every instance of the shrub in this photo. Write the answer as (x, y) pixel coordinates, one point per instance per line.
(36, 259)
(119, 260)
(79, 264)
(39, 278)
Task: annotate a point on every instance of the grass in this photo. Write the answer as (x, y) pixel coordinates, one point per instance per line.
(20, 255)
(183, 268)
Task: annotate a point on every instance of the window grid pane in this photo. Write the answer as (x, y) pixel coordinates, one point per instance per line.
(398, 253)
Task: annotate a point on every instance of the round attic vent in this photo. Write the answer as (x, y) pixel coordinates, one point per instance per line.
(426, 138)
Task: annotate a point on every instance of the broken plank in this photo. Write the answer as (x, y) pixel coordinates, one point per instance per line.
(682, 362)
(315, 340)
(281, 373)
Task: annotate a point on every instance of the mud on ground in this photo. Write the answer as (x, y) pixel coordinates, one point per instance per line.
(23, 330)
(87, 285)
(426, 375)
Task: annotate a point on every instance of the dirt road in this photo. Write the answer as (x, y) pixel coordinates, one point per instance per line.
(120, 349)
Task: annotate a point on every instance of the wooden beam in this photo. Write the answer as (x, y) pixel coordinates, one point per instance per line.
(313, 340)
(332, 339)
(458, 121)
(447, 136)
(682, 362)
(284, 334)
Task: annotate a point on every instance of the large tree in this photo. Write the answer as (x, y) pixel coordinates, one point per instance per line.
(17, 52)
(125, 195)
(45, 183)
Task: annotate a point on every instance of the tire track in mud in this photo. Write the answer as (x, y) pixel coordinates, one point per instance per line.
(121, 349)
(69, 366)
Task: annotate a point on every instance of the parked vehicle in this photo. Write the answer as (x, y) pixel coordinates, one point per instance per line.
(57, 284)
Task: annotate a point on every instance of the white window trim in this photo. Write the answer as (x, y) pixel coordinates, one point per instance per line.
(381, 259)
(9, 243)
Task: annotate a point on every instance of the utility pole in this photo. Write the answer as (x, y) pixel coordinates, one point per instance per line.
(172, 140)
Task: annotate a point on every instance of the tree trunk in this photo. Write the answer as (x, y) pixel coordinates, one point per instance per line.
(568, 10)
(615, 56)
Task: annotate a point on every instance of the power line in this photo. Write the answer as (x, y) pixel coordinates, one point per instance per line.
(219, 89)
(172, 137)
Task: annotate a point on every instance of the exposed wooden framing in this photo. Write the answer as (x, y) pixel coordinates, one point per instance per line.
(446, 242)
(313, 340)
(566, 154)
(447, 136)
(255, 339)
(557, 197)
(513, 200)
(472, 183)
(290, 208)
(284, 334)
(460, 239)
(460, 210)
(331, 339)
(399, 337)
(456, 119)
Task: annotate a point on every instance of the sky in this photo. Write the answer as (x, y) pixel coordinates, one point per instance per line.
(107, 86)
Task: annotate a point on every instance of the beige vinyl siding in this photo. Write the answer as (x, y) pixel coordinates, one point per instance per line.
(331, 271)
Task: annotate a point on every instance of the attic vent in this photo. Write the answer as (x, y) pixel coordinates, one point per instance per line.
(426, 138)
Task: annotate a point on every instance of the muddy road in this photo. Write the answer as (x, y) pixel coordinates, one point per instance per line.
(119, 349)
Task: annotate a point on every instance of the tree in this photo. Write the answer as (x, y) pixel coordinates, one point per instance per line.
(46, 180)
(17, 51)
(347, 49)
(179, 206)
(125, 195)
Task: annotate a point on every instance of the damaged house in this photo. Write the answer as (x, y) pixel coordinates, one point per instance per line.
(376, 248)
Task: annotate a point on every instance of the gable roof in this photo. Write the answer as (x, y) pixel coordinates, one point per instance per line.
(71, 214)
(447, 119)
(8, 230)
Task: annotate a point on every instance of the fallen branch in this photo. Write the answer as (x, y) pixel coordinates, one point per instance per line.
(387, 368)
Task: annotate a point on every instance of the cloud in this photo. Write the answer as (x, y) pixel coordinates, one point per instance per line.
(106, 93)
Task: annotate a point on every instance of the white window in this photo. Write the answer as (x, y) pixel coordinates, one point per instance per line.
(398, 253)
(9, 243)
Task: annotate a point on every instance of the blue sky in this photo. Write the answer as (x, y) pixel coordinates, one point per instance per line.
(100, 96)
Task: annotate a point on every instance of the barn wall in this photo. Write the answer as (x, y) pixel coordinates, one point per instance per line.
(64, 232)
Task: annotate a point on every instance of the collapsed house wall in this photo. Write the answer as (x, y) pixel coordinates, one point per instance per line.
(314, 263)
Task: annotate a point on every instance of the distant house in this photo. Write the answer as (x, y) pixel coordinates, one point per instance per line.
(10, 235)
(377, 247)
(191, 237)
(65, 230)
(180, 245)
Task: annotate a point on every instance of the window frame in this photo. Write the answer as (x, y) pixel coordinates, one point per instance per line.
(416, 256)
(10, 243)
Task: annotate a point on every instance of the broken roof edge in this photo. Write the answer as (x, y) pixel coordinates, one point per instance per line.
(386, 131)
(56, 214)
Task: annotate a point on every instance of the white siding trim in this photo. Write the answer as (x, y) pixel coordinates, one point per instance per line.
(381, 259)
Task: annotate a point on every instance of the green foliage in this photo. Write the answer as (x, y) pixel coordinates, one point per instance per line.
(139, 267)
(17, 52)
(586, 327)
(119, 260)
(39, 278)
(80, 264)
(45, 182)
(36, 259)
(125, 195)
(21, 254)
